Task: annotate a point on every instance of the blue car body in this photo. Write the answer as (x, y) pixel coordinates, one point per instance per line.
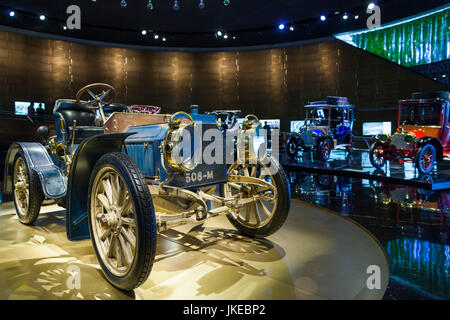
(141, 143)
(330, 120)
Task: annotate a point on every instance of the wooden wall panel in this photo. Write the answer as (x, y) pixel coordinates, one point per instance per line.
(274, 83)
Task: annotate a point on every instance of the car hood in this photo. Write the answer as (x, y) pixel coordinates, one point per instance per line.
(418, 133)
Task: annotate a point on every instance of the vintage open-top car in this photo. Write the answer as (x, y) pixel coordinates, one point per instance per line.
(423, 134)
(123, 177)
(328, 125)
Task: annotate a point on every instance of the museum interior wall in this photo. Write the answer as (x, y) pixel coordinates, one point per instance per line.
(275, 83)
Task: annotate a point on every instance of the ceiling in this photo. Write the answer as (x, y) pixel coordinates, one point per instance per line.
(250, 22)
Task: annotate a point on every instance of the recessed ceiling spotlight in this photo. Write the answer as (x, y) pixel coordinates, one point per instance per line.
(64, 27)
(356, 17)
(12, 13)
(291, 28)
(281, 26)
(219, 33)
(164, 39)
(225, 36)
(234, 37)
(42, 17)
(144, 32)
(323, 18)
(336, 12)
(345, 16)
(156, 37)
(371, 6)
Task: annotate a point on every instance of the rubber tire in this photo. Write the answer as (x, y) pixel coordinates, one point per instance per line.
(419, 155)
(280, 215)
(291, 155)
(35, 192)
(350, 146)
(319, 151)
(145, 216)
(371, 156)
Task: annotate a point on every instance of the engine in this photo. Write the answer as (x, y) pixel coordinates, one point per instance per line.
(403, 140)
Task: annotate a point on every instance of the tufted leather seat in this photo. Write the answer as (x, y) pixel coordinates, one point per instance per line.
(69, 110)
(115, 107)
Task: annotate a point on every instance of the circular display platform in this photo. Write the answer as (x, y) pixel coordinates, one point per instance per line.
(317, 254)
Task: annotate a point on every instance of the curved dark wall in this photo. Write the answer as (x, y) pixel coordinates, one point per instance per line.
(271, 83)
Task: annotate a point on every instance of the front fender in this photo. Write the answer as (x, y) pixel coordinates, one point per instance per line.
(53, 181)
(84, 160)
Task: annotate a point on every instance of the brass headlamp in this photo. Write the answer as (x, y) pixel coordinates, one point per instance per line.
(250, 140)
(178, 136)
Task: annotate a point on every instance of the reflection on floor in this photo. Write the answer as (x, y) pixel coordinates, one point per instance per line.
(316, 255)
(357, 164)
(412, 224)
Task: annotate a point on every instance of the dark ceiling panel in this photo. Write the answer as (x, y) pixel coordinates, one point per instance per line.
(252, 21)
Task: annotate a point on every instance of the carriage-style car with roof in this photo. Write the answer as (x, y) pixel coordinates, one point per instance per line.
(123, 177)
(328, 125)
(423, 134)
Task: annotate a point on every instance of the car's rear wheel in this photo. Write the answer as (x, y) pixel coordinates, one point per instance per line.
(377, 156)
(27, 193)
(350, 146)
(426, 158)
(324, 151)
(267, 214)
(122, 221)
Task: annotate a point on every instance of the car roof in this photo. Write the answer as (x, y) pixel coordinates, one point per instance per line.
(424, 100)
(347, 106)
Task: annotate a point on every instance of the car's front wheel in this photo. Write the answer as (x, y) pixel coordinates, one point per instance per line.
(122, 221)
(27, 193)
(377, 156)
(426, 158)
(292, 148)
(267, 213)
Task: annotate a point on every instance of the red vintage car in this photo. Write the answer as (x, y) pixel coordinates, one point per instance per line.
(423, 134)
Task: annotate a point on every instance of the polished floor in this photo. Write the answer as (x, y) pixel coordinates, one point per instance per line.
(357, 164)
(412, 224)
(317, 254)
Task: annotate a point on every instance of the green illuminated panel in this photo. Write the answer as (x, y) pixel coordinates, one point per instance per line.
(415, 41)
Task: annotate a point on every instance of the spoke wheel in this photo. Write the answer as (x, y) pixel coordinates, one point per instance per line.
(292, 148)
(28, 195)
(377, 156)
(122, 221)
(324, 151)
(350, 146)
(267, 213)
(426, 158)
(114, 221)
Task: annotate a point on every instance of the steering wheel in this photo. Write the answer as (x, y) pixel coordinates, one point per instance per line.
(99, 95)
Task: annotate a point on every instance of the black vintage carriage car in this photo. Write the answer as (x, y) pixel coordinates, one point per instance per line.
(328, 125)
